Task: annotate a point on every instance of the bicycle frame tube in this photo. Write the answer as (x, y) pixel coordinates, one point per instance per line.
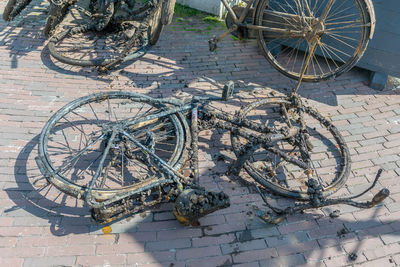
(287, 33)
(157, 116)
(242, 17)
(222, 121)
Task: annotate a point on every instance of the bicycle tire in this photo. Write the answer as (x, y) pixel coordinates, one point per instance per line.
(56, 16)
(156, 26)
(273, 184)
(167, 13)
(338, 49)
(8, 9)
(60, 131)
(57, 38)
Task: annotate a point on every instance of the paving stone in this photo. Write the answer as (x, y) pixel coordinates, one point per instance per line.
(291, 260)
(50, 261)
(44, 230)
(289, 239)
(243, 246)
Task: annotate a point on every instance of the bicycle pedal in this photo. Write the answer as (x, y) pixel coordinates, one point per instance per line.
(212, 44)
(228, 90)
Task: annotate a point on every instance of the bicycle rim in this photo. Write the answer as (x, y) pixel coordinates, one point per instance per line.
(330, 155)
(343, 38)
(71, 146)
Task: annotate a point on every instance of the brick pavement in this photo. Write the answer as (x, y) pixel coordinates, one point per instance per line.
(40, 227)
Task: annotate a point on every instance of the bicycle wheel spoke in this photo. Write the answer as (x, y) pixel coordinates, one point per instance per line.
(286, 166)
(347, 22)
(328, 47)
(343, 34)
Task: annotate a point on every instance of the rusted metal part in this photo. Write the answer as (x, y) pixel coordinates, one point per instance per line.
(195, 144)
(192, 204)
(168, 183)
(317, 200)
(57, 12)
(136, 23)
(167, 12)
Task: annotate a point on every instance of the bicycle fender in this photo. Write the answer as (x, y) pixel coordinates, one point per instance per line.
(371, 11)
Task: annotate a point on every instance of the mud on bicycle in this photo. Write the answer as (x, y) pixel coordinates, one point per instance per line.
(100, 33)
(122, 152)
(337, 31)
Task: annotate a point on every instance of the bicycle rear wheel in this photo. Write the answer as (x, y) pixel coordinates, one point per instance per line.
(341, 38)
(73, 142)
(327, 150)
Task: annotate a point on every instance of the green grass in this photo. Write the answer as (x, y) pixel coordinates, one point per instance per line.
(212, 20)
(182, 12)
(183, 15)
(193, 30)
(185, 11)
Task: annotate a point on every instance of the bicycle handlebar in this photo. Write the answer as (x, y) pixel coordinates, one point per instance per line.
(278, 215)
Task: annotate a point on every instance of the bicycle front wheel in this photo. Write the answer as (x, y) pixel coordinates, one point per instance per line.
(327, 150)
(339, 32)
(73, 144)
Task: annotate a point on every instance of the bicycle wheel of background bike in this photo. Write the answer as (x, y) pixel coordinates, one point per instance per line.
(13, 8)
(73, 142)
(343, 36)
(84, 46)
(329, 153)
(8, 9)
(56, 15)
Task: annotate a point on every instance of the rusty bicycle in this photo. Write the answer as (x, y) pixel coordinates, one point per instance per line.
(288, 31)
(103, 33)
(121, 152)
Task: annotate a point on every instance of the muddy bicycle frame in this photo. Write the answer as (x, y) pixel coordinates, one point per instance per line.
(199, 113)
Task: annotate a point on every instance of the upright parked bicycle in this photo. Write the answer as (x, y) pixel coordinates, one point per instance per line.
(293, 34)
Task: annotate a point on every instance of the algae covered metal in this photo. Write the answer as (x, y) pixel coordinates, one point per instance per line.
(100, 33)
